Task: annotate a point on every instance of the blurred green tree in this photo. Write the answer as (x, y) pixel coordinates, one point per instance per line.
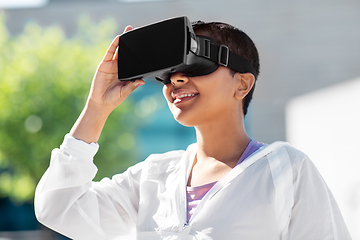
(44, 81)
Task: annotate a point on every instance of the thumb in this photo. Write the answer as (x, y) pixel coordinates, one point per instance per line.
(137, 83)
(129, 87)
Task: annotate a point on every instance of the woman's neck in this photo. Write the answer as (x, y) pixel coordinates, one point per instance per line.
(224, 142)
(219, 149)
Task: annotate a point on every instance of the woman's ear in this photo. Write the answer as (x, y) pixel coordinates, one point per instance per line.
(245, 83)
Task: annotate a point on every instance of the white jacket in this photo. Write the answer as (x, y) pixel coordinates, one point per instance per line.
(276, 193)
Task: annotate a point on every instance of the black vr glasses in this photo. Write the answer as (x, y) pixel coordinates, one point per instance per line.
(163, 48)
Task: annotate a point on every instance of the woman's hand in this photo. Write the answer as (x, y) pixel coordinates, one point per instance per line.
(106, 93)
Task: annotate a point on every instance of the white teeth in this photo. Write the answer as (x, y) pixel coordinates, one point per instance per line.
(185, 95)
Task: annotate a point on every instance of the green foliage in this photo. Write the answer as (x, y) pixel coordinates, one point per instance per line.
(44, 81)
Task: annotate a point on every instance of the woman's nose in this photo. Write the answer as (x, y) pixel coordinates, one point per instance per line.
(179, 79)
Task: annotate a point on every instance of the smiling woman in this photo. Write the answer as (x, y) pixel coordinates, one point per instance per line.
(195, 101)
(224, 185)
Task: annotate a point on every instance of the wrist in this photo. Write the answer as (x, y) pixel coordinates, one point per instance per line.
(90, 123)
(97, 109)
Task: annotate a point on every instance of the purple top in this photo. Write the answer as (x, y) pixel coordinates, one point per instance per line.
(195, 194)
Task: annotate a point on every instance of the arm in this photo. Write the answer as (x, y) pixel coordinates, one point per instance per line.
(66, 199)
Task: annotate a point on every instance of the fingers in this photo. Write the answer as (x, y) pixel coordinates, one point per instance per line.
(128, 28)
(112, 50)
(115, 57)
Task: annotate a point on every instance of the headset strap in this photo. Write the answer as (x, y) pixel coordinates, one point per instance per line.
(221, 55)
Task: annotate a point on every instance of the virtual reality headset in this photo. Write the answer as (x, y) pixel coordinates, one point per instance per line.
(161, 49)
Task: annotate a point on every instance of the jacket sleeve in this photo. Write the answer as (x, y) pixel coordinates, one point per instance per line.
(67, 201)
(315, 214)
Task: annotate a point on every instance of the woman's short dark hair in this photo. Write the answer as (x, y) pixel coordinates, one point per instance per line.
(238, 42)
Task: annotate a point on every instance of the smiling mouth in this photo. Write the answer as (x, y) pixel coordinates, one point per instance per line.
(184, 97)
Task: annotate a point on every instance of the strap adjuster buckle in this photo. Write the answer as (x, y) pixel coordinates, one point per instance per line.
(207, 48)
(223, 56)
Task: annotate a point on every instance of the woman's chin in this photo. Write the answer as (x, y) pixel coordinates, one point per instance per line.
(183, 120)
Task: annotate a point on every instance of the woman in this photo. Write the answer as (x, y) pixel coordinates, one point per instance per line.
(225, 186)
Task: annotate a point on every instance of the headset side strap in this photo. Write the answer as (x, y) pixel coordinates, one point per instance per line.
(221, 55)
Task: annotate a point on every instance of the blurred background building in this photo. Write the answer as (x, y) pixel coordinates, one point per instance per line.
(307, 92)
